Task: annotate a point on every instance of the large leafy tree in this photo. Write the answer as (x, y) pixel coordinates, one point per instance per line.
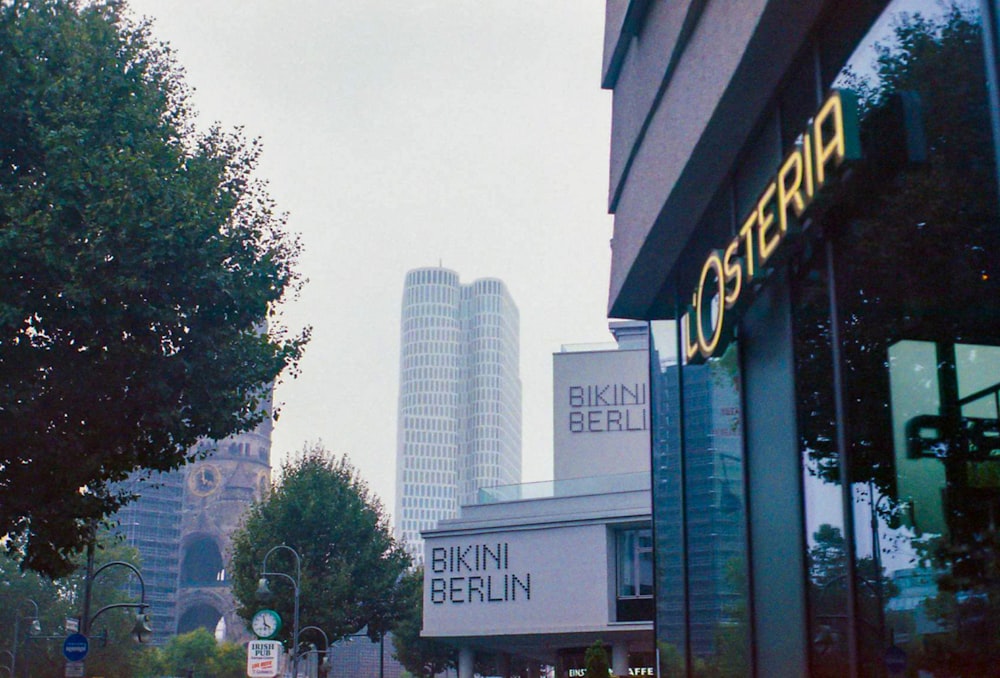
(423, 657)
(140, 266)
(114, 652)
(196, 654)
(350, 562)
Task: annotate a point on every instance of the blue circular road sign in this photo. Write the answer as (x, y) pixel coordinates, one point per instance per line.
(75, 647)
(895, 660)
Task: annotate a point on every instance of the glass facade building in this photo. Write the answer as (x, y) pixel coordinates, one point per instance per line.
(459, 426)
(805, 200)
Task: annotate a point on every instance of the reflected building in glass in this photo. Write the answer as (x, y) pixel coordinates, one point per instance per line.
(459, 417)
(711, 486)
(805, 203)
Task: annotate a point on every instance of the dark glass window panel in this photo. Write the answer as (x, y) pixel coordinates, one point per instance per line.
(915, 270)
(827, 583)
(668, 529)
(715, 514)
(635, 563)
(699, 503)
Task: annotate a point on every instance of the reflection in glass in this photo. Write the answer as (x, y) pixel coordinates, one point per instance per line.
(668, 532)
(699, 512)
(635, 563)
(827, 585)
(916, 266)
(715, 519)
(947, 448)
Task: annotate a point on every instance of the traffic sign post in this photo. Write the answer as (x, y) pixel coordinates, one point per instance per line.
(895, 660)
(75, 647)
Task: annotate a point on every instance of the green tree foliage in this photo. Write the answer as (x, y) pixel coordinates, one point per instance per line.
(595, 661)
(931, 223)
(828, 598)
(916, 260)
(350, 562)
(200, 654)
(39, 654)
(140, 266)
(422, 657)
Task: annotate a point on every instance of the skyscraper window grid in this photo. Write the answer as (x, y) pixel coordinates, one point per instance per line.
(459, 421)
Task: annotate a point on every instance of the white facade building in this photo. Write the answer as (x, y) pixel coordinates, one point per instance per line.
(533, 574)
(459, 426)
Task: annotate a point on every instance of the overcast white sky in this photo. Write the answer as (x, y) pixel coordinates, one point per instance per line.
(407, 133)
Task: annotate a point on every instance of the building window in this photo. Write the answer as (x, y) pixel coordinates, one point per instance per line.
(634, 588)
(899, 450)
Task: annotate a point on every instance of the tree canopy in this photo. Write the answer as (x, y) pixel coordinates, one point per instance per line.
(141, 263)
(596, 661)
(914, 262)
(196, 654)
(422, 657)
(39, 650)
(350, 561)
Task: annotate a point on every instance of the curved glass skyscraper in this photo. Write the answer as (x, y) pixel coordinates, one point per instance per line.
(459, 426)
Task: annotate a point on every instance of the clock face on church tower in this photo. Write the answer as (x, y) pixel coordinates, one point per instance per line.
(204, 479)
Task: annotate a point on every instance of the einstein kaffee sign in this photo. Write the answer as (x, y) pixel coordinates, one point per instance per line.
(509, 582)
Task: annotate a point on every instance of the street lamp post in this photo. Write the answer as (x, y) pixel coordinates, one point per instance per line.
(262, 590)
(17, 632)
(326, 642)
(141, 629)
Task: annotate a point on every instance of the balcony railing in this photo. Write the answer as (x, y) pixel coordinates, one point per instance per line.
(571, 487)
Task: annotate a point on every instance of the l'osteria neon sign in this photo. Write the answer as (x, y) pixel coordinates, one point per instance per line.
(830, 139)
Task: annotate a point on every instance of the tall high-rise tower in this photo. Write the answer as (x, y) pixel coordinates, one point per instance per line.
(459, 426)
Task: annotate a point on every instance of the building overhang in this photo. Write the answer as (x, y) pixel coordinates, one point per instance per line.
(544, 647)
(695, 130)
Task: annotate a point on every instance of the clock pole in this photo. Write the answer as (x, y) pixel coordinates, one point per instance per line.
(263, 590)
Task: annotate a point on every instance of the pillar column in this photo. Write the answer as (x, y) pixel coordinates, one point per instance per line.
(466, 662)
(505, 665)
(619, 659)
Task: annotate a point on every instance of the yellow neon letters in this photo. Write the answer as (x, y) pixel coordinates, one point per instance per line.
(710, 333)
(829, 139)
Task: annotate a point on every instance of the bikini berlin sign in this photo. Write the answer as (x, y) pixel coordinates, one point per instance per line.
(507, 582)
(830, 139)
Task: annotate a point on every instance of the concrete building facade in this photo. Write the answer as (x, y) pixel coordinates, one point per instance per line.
(531, 575)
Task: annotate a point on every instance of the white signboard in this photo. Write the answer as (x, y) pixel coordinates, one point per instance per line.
(263, 658)
(510, 582)
(601, 413)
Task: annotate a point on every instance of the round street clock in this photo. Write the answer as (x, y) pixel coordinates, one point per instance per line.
(266, 624)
